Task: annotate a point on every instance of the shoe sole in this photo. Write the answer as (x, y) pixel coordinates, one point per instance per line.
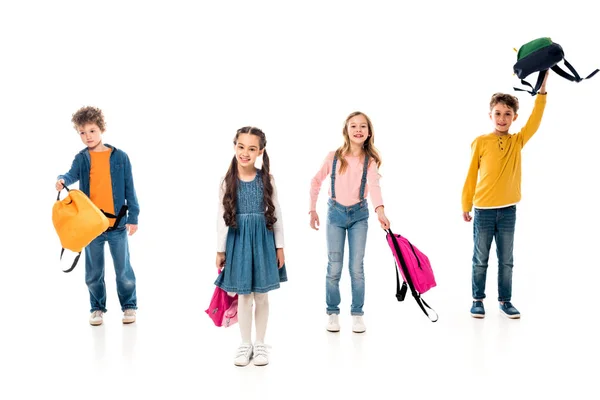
(511, 316)
(96, 323)
(479, 316)
(260, 364)
(238, 364)
(128, 322)
(332, 329)
(359, 331)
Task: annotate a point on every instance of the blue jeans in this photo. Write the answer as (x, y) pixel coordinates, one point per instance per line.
(354, 220)
(489, 224)
(94, 270)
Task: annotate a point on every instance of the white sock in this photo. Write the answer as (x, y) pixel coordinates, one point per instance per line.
(245, 317)
(261, 315)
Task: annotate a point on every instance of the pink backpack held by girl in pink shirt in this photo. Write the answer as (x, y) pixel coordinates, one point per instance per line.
(415, 269)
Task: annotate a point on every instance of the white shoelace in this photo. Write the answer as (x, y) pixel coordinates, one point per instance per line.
(261, 349)
(244, 350)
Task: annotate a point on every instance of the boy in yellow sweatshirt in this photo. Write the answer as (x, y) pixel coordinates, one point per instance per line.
(493, 188)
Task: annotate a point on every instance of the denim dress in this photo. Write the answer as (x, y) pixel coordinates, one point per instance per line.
(250, 254)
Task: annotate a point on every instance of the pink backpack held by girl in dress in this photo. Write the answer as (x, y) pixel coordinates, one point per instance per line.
(415, 269)
(223, 308)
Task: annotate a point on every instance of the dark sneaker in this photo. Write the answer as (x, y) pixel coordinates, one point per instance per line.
(477, 310)
(509, 310)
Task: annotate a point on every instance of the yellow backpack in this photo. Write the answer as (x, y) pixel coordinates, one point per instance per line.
(77, 222)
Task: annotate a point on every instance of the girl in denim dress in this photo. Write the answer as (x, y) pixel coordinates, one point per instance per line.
(250, 243)
(354, 172)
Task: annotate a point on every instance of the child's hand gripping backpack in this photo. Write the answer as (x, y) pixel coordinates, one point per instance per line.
(540, 55)
(415, 269)
(77, 222)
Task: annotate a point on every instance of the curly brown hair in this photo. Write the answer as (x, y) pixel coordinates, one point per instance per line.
(507, 99)
(368, 146)
(89, 115)
(231, 181)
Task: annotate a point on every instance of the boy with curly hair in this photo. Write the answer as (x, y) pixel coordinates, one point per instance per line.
(104, 175)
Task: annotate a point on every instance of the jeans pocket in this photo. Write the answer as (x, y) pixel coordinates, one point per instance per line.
(362, 213)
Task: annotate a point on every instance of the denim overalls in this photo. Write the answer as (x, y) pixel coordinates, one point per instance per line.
(354, 220)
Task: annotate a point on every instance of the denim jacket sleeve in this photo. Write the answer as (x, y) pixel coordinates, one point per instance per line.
(73, 175)
(133, 208)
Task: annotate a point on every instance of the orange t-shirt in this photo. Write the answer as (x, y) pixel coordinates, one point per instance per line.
(101, 183)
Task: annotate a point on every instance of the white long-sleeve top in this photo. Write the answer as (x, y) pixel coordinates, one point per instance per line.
(222, 229)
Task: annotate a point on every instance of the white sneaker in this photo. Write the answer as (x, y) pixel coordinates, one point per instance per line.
(129, 316)
(358, 325)
(260, 356)
(243, 355)
(96, 318)
(333, 323)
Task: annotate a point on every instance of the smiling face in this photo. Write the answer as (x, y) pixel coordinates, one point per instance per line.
(502, 116)
(247, 149)
(357, 130)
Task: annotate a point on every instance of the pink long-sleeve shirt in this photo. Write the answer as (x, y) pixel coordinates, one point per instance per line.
(347, 185)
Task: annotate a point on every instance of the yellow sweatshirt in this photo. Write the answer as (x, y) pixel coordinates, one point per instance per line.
(496, 160)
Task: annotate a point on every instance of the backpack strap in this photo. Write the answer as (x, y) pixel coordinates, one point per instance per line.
(74, 261)
(573, 78)
(63, 249)
(122, 213)
(538, 84)
(401, 292)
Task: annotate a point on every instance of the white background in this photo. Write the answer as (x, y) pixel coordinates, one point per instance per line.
(176, 80)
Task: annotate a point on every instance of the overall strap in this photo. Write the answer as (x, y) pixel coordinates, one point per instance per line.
(363, 182)
(333, 176)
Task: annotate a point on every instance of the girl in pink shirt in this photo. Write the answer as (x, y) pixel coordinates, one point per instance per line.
(354, 174)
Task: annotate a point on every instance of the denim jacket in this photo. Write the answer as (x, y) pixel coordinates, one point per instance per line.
(120, 175)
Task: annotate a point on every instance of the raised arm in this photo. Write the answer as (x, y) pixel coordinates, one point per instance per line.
(535, 119)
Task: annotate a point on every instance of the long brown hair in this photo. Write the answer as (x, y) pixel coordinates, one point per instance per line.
(231, 182)
(368, 146)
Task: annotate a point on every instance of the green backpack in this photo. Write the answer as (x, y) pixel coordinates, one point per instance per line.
(539, 55)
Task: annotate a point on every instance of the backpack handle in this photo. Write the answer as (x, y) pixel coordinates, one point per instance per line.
(64, 187)
(538, 84)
